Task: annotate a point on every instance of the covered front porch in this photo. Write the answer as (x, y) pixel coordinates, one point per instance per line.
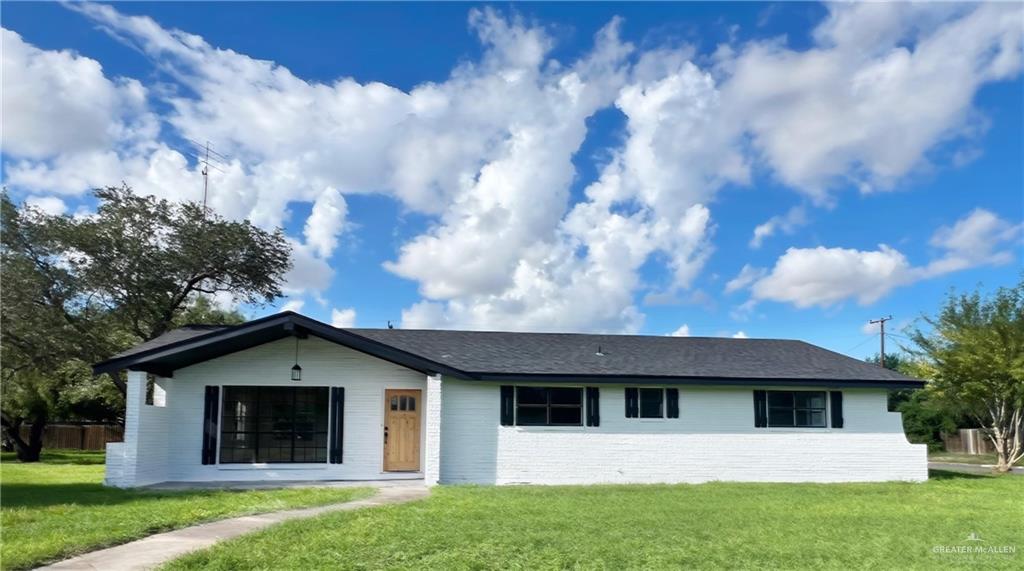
(243, 419)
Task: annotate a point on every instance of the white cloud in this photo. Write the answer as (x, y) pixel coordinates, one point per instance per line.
(972, 241)
(58, 102)
(326, 222)
(345, 317)
(739, 335)
(822, 276)
(883, 85)
(786, 223)
(309, 273)
(682, 331)
(748, 275)
(47, 204)
(294, 305)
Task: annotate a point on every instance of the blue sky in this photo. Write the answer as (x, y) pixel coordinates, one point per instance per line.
(573, 167)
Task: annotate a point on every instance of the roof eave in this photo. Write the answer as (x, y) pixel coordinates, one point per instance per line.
(697, 381)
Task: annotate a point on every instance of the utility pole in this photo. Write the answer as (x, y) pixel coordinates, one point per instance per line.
(881, 321)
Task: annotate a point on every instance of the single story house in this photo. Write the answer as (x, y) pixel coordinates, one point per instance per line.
(287, 397)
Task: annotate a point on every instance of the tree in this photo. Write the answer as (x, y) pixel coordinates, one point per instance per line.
(203, 311)
(976, 346)
(148, 258)
(52, 328)
(925, 417)
(79, 289)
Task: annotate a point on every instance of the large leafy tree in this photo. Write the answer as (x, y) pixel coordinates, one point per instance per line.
(925, 416)
(976, 346)
(78, 289)
(147, 258)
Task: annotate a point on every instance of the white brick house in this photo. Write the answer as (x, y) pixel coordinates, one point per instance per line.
(289, 398)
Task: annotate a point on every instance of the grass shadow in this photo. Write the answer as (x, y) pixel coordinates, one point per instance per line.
(951, 475)
(74, 457)
(46, 495)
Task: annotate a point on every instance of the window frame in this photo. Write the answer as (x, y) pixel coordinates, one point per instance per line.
(548, 406)
(640, 404)
(222, 434)
(824, 409)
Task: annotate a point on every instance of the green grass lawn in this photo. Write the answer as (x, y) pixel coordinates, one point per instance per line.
(718, 525)
(57, 508)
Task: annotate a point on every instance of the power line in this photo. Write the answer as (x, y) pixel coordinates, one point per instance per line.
(869, 338)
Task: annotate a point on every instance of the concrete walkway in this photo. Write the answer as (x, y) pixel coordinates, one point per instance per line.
(982, 469)
(152, 551)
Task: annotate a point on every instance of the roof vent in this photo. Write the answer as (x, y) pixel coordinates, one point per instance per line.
(599, 352)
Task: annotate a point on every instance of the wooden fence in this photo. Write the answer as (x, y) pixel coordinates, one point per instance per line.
(967, 441)
(78, 436)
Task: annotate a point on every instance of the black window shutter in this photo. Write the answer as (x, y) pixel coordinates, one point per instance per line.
(593, 407)
(632, 402)
(672, 403)
(337, 424)
(760, 409)
(210, 409)
(836, 400)
(508, 397)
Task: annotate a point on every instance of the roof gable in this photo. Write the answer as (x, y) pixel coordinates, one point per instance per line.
(189, 345)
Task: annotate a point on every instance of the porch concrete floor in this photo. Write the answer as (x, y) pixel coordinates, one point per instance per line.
(155, 550)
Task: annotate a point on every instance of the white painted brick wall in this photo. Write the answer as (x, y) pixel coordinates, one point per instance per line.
(142, 457)
(170, 437)
(114, 475)
(714, 439)
(432, 437)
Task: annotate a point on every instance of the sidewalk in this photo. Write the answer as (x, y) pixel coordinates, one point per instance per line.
(984, 469)
(155, 550)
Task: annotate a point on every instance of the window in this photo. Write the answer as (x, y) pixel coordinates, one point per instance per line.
(403, 403)
(652, 403)
(796, 408)
(274, 425)
(542, 406)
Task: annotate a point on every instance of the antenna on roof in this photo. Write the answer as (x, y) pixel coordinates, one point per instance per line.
(389, 325)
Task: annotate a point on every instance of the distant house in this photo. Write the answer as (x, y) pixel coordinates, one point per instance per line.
(290, 398)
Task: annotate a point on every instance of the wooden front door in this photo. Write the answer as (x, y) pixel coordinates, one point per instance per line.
(402, 430)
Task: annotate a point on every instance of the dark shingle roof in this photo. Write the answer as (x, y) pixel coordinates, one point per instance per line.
(628, 355)
(490, 355)
(172, 336)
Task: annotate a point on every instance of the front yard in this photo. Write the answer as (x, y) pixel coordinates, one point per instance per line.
(58, 508)
(719, 525)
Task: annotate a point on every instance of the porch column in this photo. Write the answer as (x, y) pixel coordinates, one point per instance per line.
(122, 457)
(432, 444)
